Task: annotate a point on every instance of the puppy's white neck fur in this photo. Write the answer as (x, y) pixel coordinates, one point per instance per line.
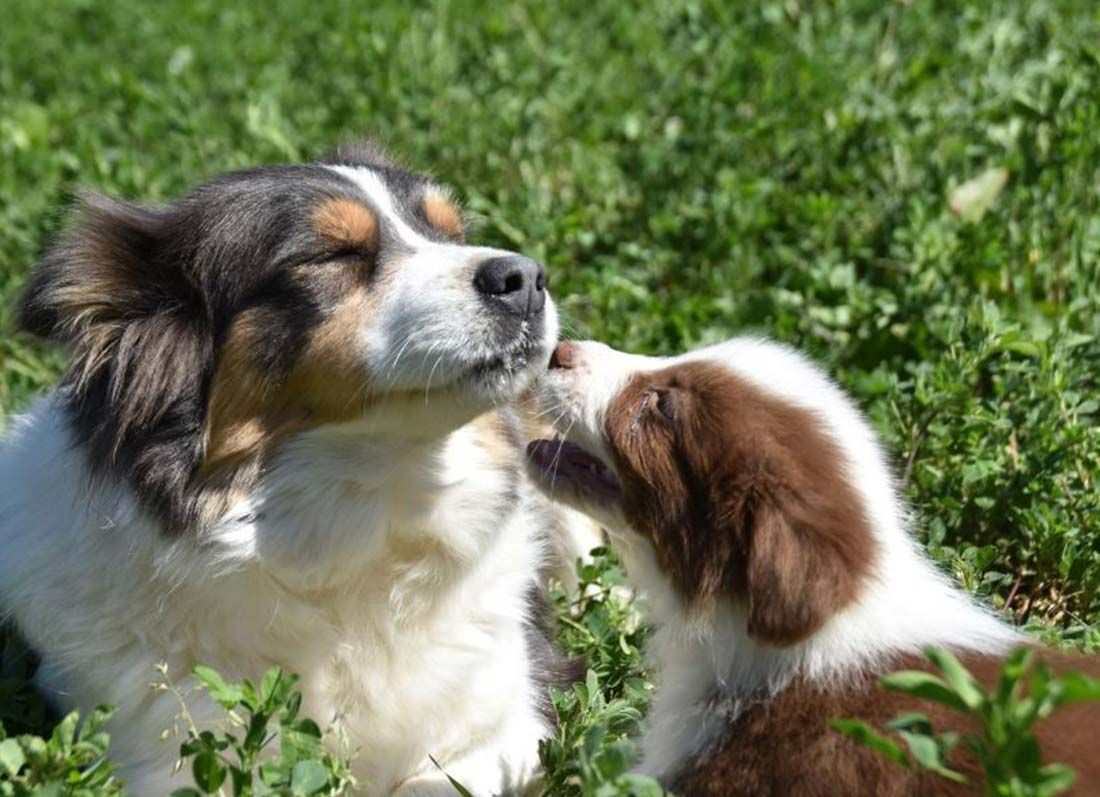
(706, 664)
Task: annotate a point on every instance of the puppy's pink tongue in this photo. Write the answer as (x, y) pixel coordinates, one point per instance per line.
(541, 452)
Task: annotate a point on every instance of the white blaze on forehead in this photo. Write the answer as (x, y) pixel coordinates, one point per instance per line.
(380, 197)
(429, 325)
(445, 255)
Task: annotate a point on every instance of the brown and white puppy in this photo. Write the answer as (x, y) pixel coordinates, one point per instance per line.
(753, 506)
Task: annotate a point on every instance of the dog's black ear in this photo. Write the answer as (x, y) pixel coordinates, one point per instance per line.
(114, 290)
(107, 269)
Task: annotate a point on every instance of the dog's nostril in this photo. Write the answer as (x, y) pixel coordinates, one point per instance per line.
(516, 284)
(564, 355)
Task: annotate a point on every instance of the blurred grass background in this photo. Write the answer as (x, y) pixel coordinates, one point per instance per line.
(688, 170)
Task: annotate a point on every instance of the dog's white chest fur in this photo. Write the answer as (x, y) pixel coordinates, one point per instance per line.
(392, 577)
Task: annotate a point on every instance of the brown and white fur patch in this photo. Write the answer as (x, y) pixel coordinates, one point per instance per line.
(754, 508)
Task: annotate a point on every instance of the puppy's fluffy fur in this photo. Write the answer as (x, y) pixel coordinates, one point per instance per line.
(278, 442)
(753, 506)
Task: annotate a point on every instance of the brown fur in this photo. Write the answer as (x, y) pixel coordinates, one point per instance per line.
(249, 409)
(442, 214)
(745, 495)
(742, 495)
(784, 747)
(345, 222)
(537, 425)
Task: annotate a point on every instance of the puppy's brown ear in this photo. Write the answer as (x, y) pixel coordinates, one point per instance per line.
(806, 536)
(801, 568)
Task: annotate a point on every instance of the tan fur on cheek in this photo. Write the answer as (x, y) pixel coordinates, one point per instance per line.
(249, 411)
(442, 214)
(234, 416)
(330, 379)
(345, 222)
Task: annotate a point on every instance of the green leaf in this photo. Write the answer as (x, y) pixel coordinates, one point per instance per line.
(208, 771)
(638, 786)
(864, 734)
(308, 727)
(256, 734)
(965, 686)
(1015, 666)
(187, 792)
(269, 685)
(911, 721)
(592, 683)
(64, 733)
(1056, 778)
(924, 685)
(307, 777)
(225, 694)
(462, 790)
(11, 757)
(290, 711)
(594, 740)
(242, 782)
(273, 773)
(1079, 688)
(929, 755)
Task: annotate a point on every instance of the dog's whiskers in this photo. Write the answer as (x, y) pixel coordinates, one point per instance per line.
(557, 456)
(428, 386)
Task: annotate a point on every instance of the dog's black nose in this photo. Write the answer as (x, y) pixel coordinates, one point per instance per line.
(516, 282)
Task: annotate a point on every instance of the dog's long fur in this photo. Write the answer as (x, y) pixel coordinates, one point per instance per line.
(753, 506)
(283, 439)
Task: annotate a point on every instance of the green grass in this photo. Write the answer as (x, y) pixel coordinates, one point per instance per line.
(687, 171)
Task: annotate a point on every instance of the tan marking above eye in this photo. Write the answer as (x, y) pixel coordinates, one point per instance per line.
(443, 214)
(345, 222)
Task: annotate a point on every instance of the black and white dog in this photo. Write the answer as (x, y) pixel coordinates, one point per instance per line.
(284, 437)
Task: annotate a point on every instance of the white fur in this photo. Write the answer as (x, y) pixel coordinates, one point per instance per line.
(906, 606)
(381, 560)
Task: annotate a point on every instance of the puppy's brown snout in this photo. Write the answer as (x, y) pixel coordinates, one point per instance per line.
(564, 355)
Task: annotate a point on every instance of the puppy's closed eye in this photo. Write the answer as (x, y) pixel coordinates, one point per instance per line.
(658, 404)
